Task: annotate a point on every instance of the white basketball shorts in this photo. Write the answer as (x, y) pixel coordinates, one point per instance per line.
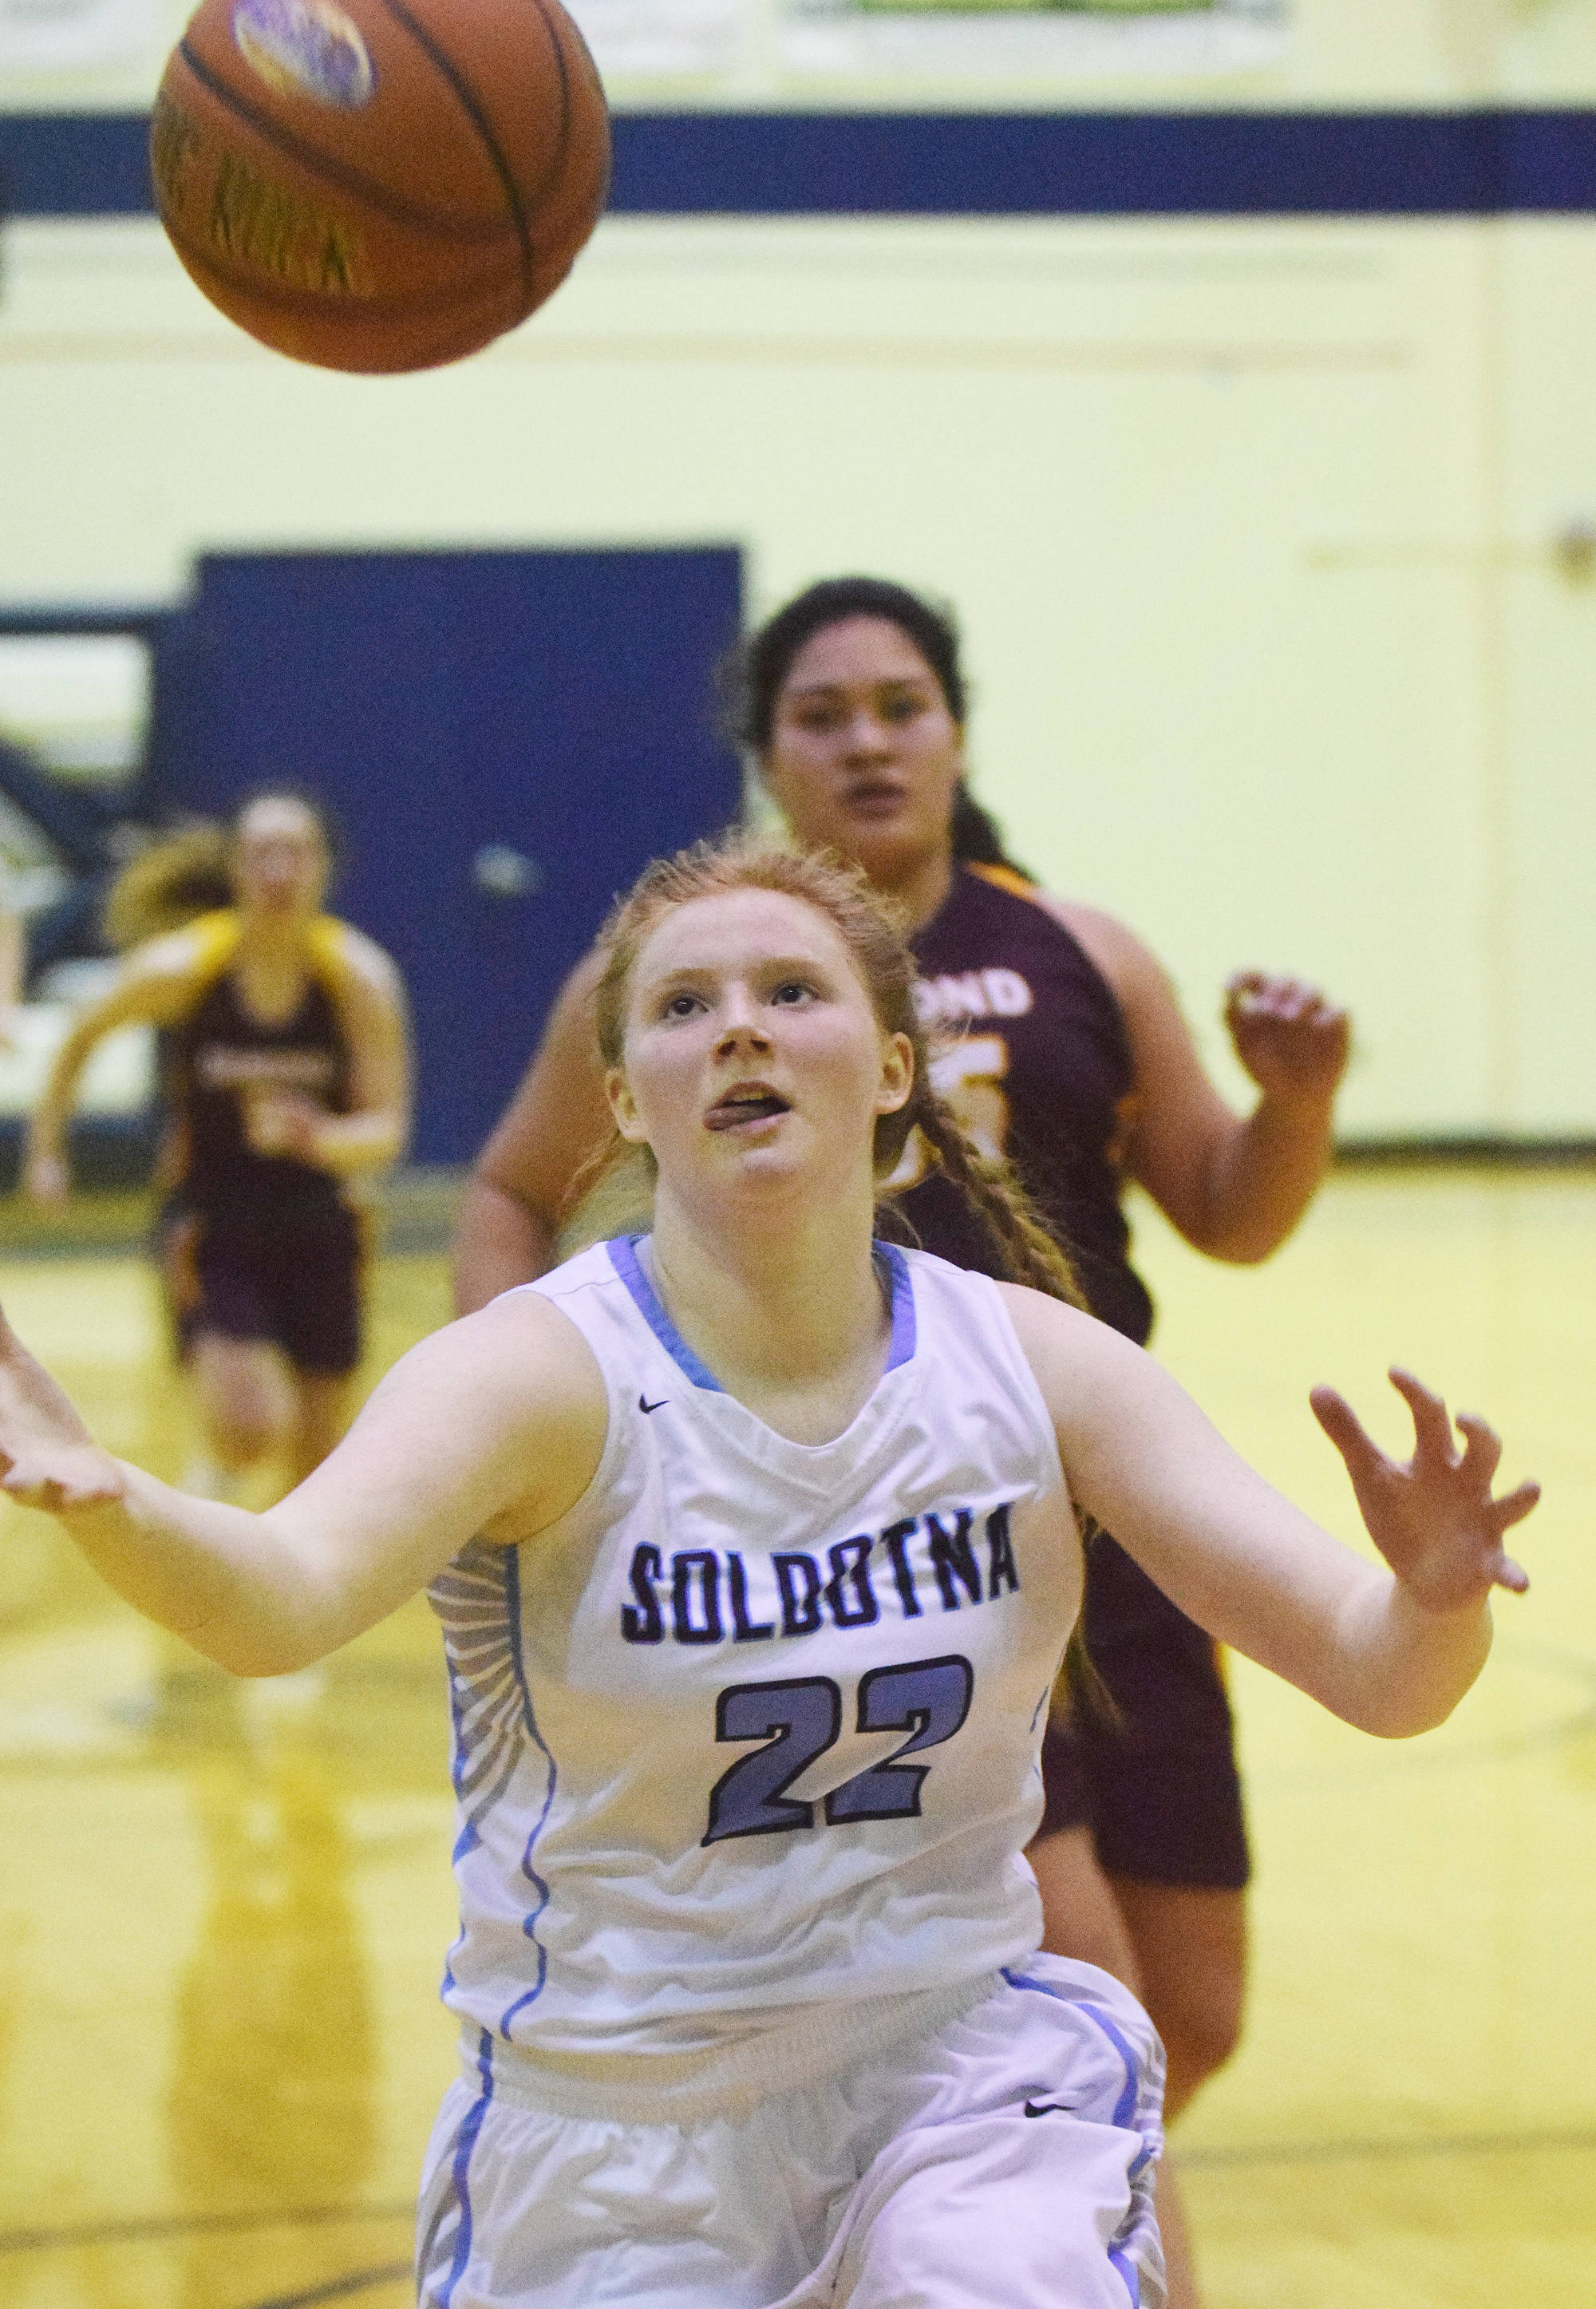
(1001, 2159)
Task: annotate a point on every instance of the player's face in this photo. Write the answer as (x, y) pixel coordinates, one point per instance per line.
(752, 1049)
(280, 859)
(864, 754)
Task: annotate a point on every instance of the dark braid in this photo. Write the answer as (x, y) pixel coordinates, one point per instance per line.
(978, 839)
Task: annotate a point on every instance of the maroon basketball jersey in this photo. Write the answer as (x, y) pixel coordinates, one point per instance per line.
(221, 1056)
(1036, 1065)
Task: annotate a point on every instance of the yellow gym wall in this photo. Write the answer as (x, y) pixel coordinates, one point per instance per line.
(1253, 526)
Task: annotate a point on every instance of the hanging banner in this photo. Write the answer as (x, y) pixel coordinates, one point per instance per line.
(1007, 39)
(75, 35)
(661, 35)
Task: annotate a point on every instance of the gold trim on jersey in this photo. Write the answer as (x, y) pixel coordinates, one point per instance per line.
(1005, 878)
(326, 950)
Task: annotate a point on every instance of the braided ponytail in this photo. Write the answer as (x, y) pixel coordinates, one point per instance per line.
(1027, 1252)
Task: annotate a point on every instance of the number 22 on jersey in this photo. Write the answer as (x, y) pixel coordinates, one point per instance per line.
(799, 1718)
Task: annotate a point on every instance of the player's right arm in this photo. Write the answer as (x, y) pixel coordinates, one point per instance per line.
(155, 988)
(494, 1425)
(511, 1213)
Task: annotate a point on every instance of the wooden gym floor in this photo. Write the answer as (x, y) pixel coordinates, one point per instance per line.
(223, 1909)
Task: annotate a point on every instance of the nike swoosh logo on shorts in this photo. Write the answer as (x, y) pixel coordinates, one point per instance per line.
(1048, 2107)
(643, 1404)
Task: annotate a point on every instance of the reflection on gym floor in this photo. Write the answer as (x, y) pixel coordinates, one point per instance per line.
(223, 1908)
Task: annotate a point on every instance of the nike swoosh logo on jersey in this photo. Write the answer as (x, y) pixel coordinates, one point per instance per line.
(1048, 2107)
(644, 1404)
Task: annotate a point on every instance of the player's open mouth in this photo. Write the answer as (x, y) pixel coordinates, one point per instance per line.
(748, 1102)
(876, 797)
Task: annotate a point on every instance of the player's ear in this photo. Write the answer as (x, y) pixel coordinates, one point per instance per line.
(897, 1075)
(624, 1109)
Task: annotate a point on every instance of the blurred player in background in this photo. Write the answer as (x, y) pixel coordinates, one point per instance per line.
(1065, 1050)
(285, 1066)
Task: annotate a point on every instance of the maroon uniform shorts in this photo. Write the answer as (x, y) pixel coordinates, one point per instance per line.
(295, 1281)
(1159, 1788)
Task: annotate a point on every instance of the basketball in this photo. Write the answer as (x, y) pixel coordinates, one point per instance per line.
(379, 185)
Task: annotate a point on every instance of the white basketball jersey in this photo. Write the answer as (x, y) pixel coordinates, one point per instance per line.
(757, 1724)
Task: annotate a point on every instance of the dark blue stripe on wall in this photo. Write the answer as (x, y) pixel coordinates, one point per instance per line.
(1102, 164)
(972, 164)
(74, 164)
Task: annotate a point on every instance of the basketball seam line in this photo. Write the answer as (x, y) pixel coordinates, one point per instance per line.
(560, 170)
(567, 24)
(587, 59)
(471, 105)
(350, 180)
(557, 168)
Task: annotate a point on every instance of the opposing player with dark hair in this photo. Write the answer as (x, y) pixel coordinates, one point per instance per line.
(286, 1066)
(1063, 1049)
(755, 1542)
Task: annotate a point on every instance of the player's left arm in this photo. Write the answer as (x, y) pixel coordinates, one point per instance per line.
(1389, 1646)
(374, 1015)
(1235, 1185)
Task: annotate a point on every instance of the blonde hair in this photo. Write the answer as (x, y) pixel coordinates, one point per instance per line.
(619, 1177)
(189, 871)
(170, 884)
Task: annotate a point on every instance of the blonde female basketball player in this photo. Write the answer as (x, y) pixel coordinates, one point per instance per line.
(754, 1544)
(287, 1074)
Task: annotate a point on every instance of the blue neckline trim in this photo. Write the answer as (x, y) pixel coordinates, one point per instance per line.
(624, 1259)
(904, 1325)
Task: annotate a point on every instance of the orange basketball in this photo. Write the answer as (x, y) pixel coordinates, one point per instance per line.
(379, 185)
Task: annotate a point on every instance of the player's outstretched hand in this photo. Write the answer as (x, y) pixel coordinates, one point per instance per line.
(1432, 1517)
(49, 1457)
(1292, 1039)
